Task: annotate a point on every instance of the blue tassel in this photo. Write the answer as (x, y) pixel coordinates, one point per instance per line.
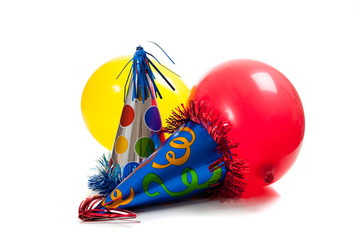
(105, 180)
(141, 70)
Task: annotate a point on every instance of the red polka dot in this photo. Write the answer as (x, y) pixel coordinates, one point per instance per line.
(127, 116)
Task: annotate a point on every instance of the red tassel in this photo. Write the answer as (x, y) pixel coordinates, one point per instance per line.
(87, 212)
(234, 183)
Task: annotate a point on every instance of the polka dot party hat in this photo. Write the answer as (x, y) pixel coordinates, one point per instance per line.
(140, 129)
(138, 135)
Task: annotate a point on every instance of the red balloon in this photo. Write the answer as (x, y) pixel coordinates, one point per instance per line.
(265, 113)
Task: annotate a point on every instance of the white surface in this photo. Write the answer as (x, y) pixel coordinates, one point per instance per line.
(49, 50)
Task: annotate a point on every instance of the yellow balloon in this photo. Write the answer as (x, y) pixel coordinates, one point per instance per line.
(103, 98)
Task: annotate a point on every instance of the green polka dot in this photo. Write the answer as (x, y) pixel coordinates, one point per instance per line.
(144, 147)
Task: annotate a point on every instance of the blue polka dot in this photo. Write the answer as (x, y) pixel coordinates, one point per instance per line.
(129, 168)
(152, 118)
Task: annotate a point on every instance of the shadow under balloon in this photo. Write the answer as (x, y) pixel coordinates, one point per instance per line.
(202, 205)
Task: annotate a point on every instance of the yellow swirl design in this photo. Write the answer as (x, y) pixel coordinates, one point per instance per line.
(116, 197)
(178, 143)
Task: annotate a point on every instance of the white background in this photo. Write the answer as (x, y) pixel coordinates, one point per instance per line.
(48, 50)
